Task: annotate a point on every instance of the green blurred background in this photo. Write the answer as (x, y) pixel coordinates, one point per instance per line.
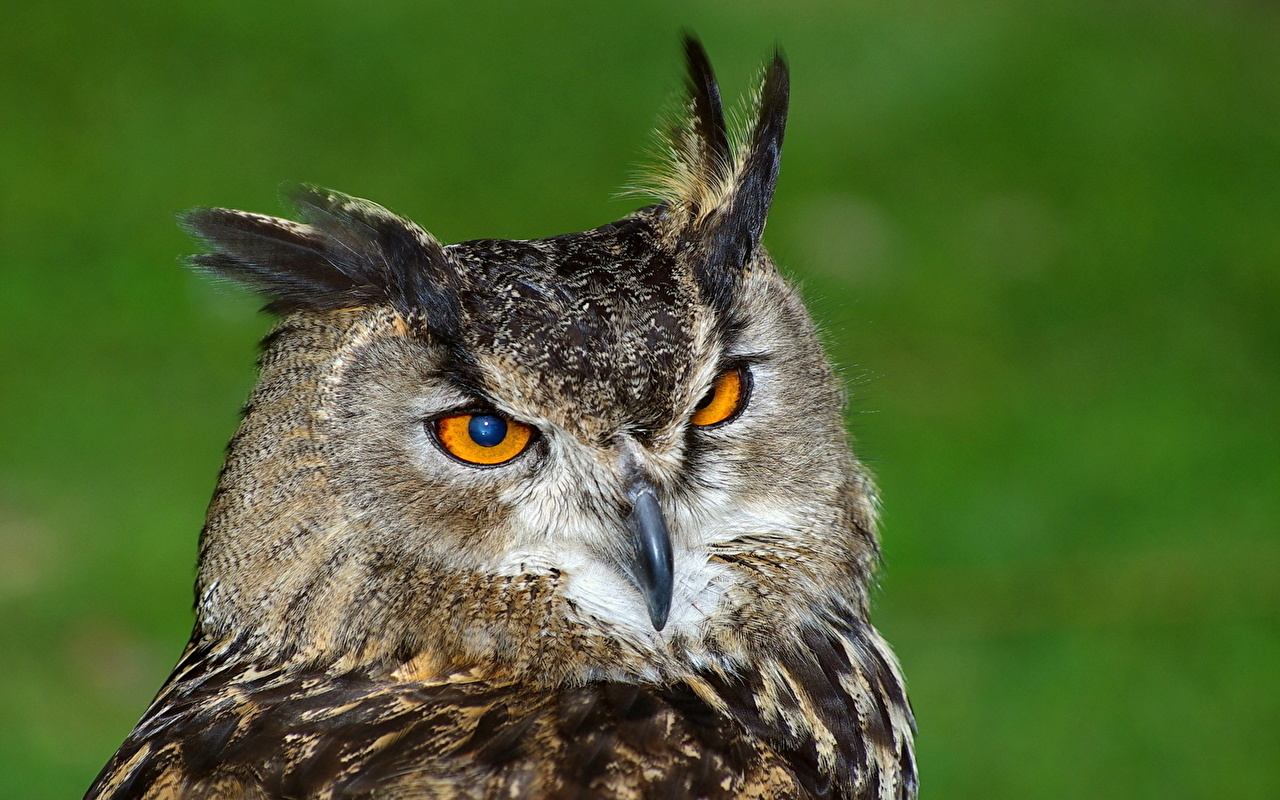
(1044, 239)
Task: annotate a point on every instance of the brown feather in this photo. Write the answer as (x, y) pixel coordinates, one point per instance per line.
(224, 728)
(378, 618)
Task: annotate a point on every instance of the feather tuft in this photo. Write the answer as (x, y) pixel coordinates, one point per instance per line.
(703, 161)
(347, 252)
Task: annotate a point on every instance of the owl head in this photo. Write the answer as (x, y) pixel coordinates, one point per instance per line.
(613, 453)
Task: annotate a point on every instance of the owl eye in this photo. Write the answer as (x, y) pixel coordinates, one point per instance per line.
(726, 399)
(483, 439)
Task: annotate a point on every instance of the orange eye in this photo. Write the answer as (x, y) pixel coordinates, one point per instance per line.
(726, 398)
(484, 439)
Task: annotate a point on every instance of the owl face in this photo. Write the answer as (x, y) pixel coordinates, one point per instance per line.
(617, 452)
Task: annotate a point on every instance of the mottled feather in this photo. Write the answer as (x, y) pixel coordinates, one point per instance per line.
(378, 619)
(779, 730)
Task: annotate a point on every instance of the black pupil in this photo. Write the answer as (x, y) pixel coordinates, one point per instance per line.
(706, 401)
(487, 430)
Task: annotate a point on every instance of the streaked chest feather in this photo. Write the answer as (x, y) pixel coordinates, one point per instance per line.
(828, 720)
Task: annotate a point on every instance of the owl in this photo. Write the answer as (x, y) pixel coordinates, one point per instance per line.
(571, 517)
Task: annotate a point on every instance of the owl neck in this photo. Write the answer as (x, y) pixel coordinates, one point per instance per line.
(520, 628)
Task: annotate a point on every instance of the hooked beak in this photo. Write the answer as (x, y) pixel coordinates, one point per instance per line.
(653, 567)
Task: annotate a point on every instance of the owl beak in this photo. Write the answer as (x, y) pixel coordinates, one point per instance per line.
(653, 567)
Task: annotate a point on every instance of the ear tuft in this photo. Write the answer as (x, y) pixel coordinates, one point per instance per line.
(718, 186)
(729, 234)
(348, 252)
(701, 156)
